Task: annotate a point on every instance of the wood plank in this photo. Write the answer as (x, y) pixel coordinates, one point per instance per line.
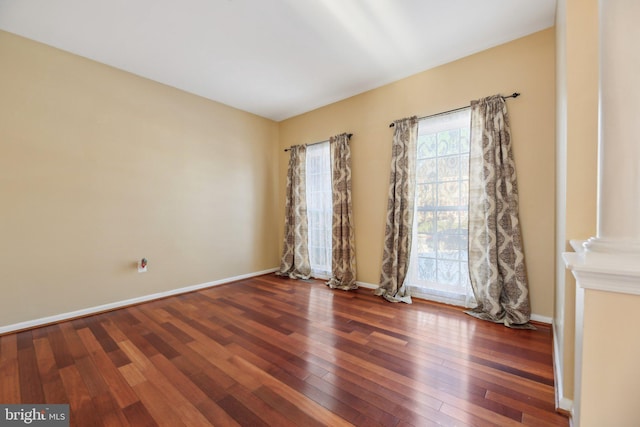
(529, 412)
(89, 340)
(243, 415)
(52, 385)
(83, 412)
(9, 376)
(163, 348)
(132, 374)
(8, 347)
(295, 414)
(211, 381)
(31, 390)
(216, 415)
(172, 392)
(110, 413)
(10, 382)
(138, 416)
(179, 380)
(260, 407)
(92, 379)
(414, 408)
(161, 409)
(177, 332)
(344, 404)
(106, 342)
(72, 341)
(118, 386)
(290, 397)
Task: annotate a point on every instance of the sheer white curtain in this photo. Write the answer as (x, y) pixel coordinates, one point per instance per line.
(438, 267)
(319, 208)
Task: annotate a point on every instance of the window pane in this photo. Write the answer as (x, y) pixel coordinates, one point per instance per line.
(426, 195)
(449, 193)
(448, 142)
(427, 245)
(448, 272)
(449, 168)
(448, 246)
(448, 222)
(426, 222)
(426, 170)
(427, 269)
(427, 146)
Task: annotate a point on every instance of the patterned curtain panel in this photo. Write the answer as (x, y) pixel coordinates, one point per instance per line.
(343, 258)
(295, 254)
(397, 239)
(496, 259)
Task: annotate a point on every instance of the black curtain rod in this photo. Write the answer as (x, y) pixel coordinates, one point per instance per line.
(349, 135)
(513, 95)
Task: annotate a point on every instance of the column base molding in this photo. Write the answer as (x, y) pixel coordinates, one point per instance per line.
(612, 271)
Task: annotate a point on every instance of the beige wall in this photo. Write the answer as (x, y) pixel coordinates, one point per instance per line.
(99, 168)
(577, 140)
(526, 65)
(610, 368)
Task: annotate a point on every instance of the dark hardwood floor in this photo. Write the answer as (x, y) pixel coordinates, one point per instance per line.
(269, 351)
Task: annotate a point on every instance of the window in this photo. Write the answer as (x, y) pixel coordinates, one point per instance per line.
(438, 268)
(319, 208)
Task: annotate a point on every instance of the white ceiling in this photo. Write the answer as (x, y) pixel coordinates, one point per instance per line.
(275, 58)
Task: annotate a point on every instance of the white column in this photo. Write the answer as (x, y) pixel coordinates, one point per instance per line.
(619, 139)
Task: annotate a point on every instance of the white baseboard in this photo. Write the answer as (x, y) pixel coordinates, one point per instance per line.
(562, 402)
(119, 304)
(367, 285)
(542, 319)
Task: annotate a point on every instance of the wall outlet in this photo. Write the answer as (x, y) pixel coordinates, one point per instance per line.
(142, 265)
